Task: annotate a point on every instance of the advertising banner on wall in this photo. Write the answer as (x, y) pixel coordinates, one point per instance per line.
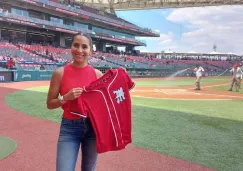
(32, 75)
(6, 76)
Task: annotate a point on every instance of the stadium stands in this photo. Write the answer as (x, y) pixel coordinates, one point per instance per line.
(35, 40)
(28, 53)
(35, 56)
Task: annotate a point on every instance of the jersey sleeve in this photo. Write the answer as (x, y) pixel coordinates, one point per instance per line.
(129, 81)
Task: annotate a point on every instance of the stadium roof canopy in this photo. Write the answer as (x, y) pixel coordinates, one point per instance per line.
(123, 5)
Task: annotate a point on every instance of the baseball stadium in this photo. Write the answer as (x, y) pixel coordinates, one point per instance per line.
(187, 112)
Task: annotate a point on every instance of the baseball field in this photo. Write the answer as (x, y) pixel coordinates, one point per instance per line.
(174, 127)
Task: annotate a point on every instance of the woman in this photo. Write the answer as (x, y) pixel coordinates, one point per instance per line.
(75, 130)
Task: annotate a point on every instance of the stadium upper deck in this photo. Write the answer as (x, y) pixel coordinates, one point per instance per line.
(90, 15)
(55, 22)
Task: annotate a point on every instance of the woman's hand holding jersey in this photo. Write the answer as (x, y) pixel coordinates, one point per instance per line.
(73, 94)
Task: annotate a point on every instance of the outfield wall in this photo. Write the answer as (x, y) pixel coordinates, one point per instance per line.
(8, 76)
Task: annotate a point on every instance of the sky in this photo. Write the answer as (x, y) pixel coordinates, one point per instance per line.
(191, 29)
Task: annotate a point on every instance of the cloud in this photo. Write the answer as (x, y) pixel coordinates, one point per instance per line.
(164, 13)
(212, 25)
(202, 28)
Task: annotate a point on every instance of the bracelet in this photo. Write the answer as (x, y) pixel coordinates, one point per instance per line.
(60, 98)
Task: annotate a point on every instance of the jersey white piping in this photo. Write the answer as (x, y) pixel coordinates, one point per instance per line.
(113, 103)
(75, 113)
(108, 112)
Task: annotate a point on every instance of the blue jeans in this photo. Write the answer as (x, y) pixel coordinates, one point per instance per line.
(74, 133)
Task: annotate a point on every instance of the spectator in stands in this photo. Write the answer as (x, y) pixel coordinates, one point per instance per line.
(10, 64)
(75, 130)
(5, 11)
(42, 67)
(37, 68)
(51, 57)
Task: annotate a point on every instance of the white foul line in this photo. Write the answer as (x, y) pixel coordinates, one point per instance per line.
(164, 92)
(211, 86)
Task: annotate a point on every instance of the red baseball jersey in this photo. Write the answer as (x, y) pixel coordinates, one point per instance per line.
(108, 104)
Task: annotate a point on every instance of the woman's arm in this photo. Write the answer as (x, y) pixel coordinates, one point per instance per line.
(55, 85)
(98, 73)
(52, 98)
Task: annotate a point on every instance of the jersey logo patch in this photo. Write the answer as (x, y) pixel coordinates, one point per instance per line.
(120, 96)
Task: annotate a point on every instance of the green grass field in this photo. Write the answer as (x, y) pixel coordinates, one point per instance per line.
(226, 88)
(209, 133)
(181, 82)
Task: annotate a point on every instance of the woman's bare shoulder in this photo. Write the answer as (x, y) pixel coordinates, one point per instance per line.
(58, 73)
(98, 73)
